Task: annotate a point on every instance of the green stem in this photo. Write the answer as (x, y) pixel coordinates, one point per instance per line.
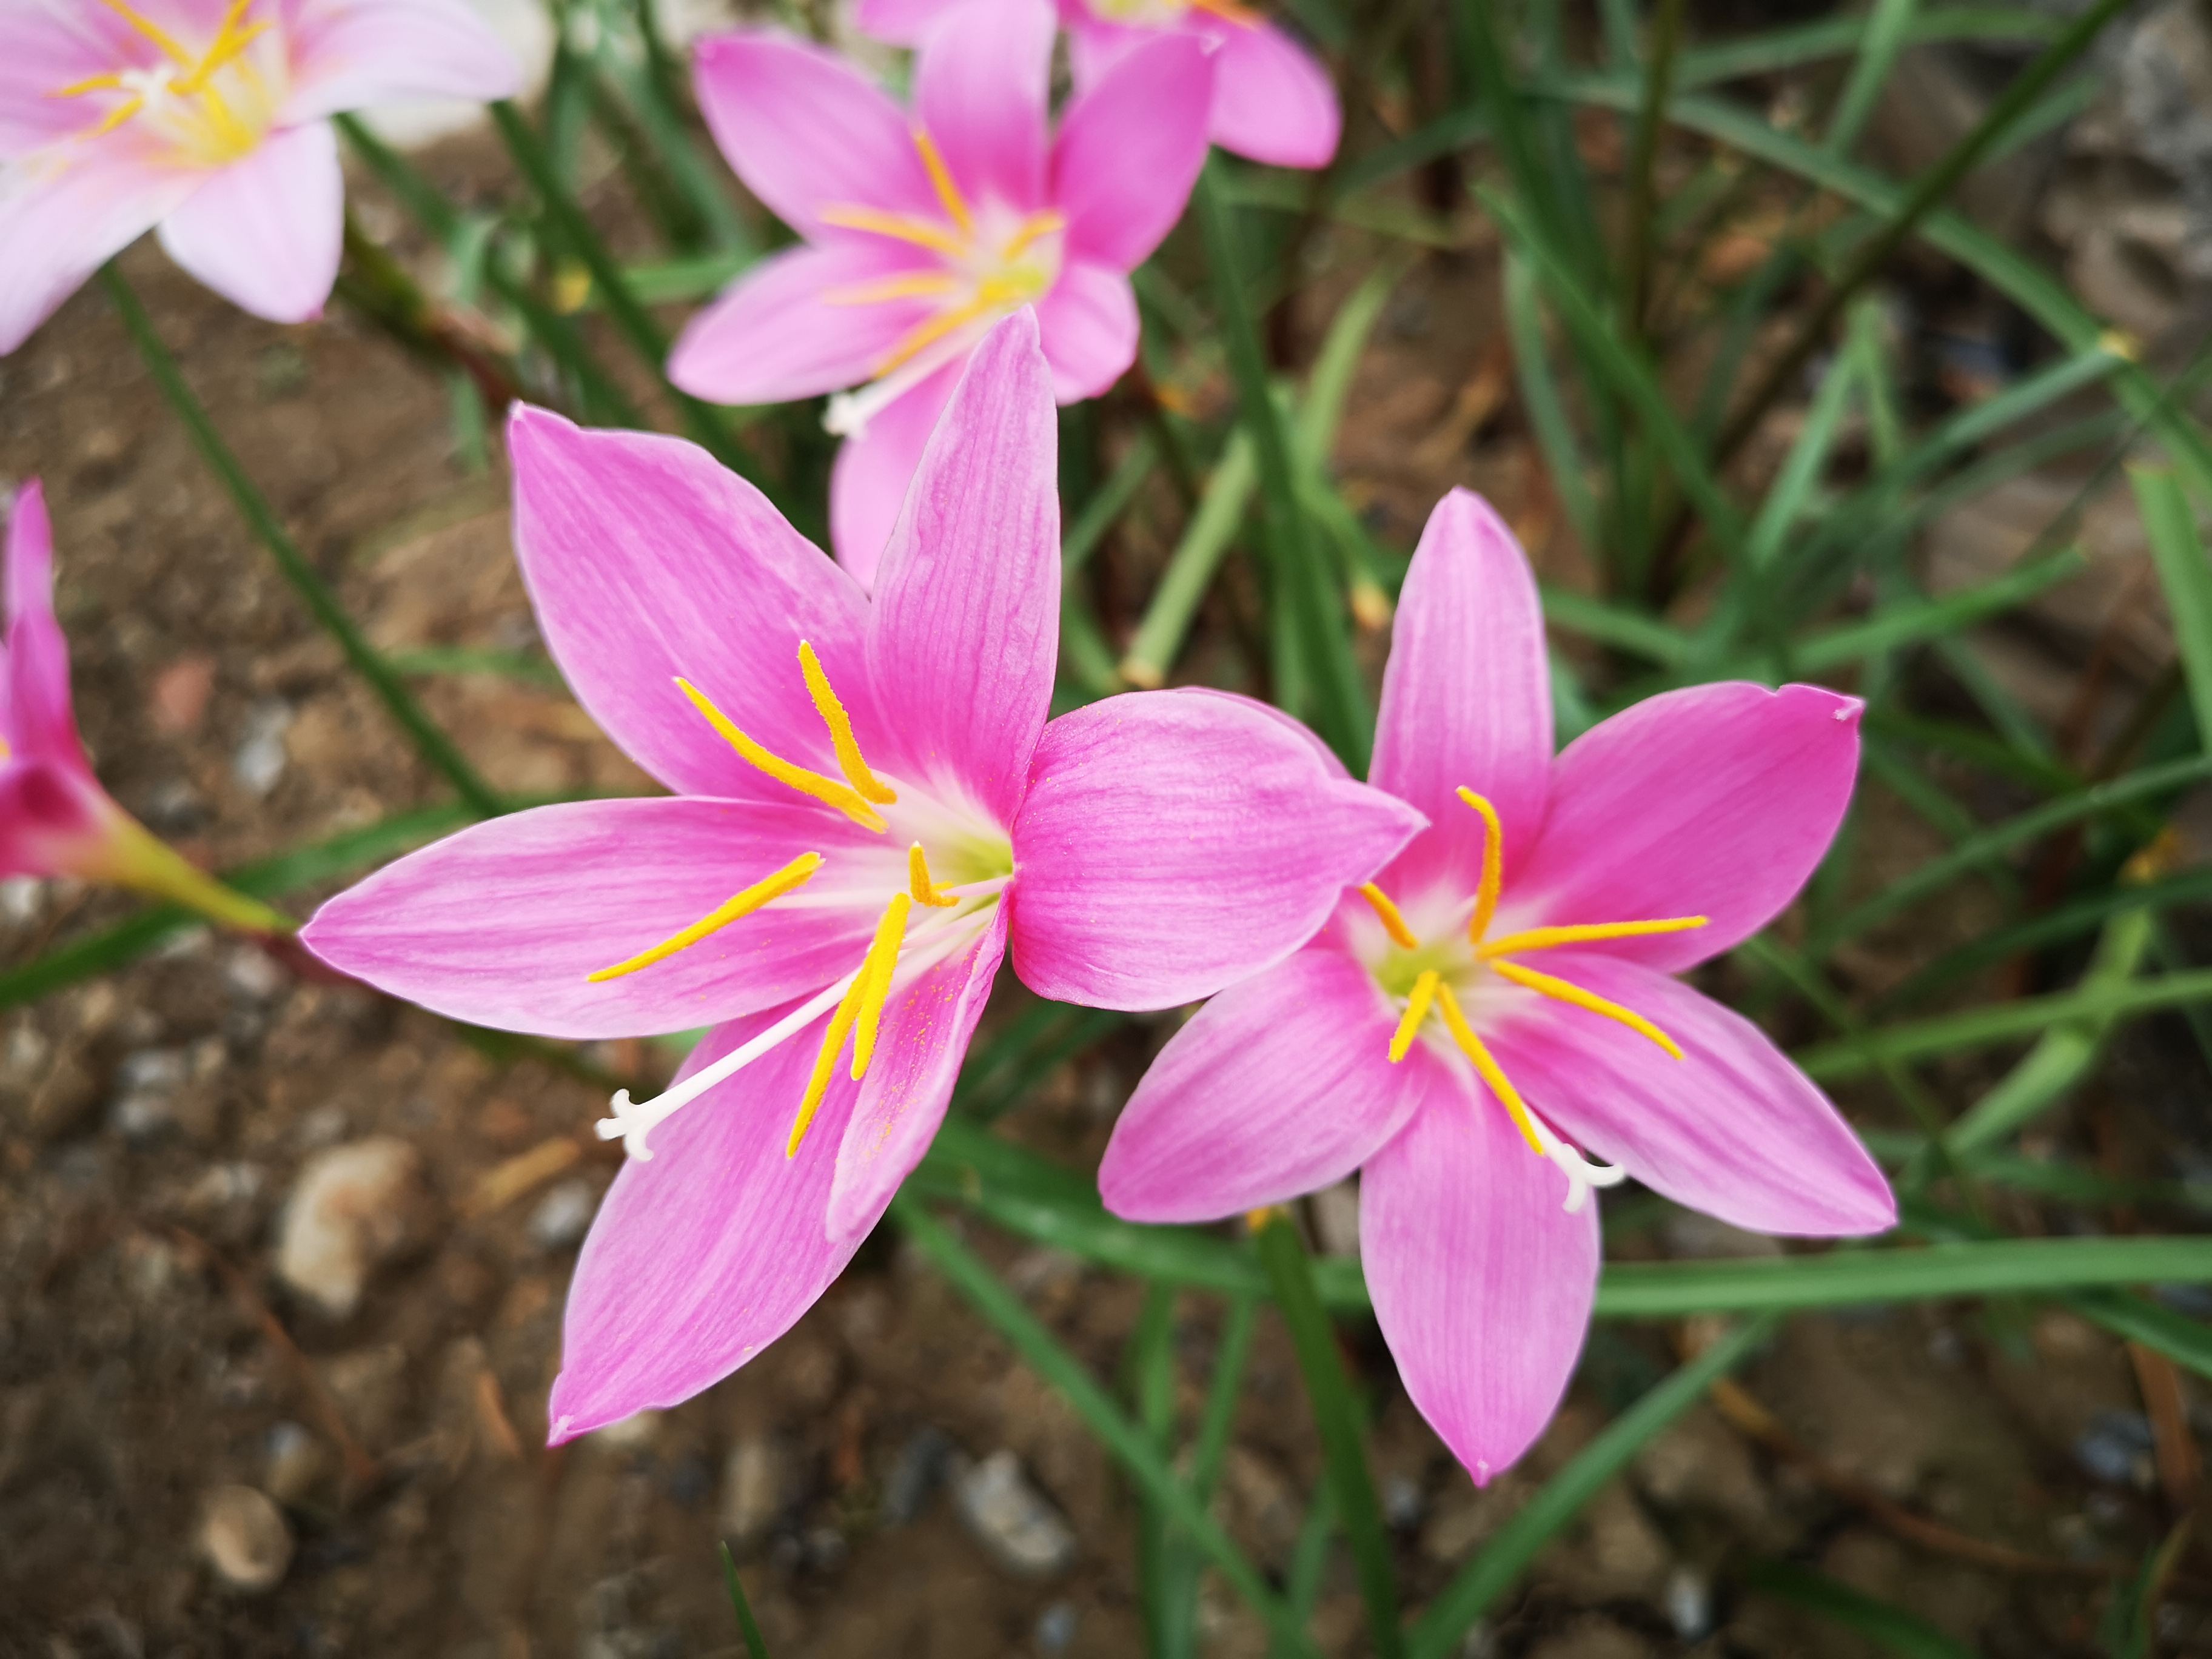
(136, 858)
(429, 739)
(1643, 166)
(378, 286)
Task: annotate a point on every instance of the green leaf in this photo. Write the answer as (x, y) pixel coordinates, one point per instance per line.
(2178, 550)
(1896, 626)
(463, 659)
(1540, 399)
(1891, 1627)
(1887, 26)
(1321, 410)
(1614, 625)
(1192, 566)
(1786, 501)
(755, 1647)
(1107, 505)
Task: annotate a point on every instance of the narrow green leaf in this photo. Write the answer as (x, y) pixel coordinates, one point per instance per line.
(1308, 1560)
(1540, 399)
(1896, 626)
(1887, 26)
(2176, 548)
(1614, 625)
(1107, 505)
(463, 659)
(1883, 1622)
(1321, 409)
(1192, 565)
(1179, 1609)
(756, 1646)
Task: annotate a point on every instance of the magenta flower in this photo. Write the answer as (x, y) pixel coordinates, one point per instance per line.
(1270, 100)
(1502, 995)
(210, 119)
(923, 230)
(870, 809)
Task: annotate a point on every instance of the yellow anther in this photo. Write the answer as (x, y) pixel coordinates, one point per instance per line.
(1546, 938)
(876, 977)
(1561, 990)
(825, 1063)
(864, 783)
(153, 30)
(1417, 1010)
(793, 874)
(227, 47)
(1485, 1063)
(827, 790)
(90, 83)
(924, 890)
(1229, 11)
(114, 118)
(1393, 923)
(940, 176)
(1493, 866)
(1034, 229)
(928, 332)
(913, 285)
(899, 227)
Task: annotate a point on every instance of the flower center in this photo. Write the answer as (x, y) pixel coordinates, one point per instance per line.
(975, 858)
(1430, 978)
(1166, 14)
(990, 264)
(205, 110)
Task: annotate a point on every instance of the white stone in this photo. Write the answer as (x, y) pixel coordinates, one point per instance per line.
(245, 1538)
(1012, 1519)
(352, 1207)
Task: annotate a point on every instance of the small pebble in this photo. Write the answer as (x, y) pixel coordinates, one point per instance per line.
(1055, 1627)
(245, 1538)
(259, 759)
(2117, 1447)
(563, 1215)
(1401, 1502)
(353, 1207)
(1012, 1519)
(296, 1463)
(1689, 1603)
(754, 1480)
(253, 974)
(913, 1476)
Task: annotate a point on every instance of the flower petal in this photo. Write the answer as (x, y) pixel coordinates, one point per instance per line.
(59, 227)
(1089, 325)
(875, 468)
(1173, 844)
(900, 23)
(782, 331)
(502, 924)
(1467, 698)
(981, 85)
(646, 559)
(50, 46)
(40, 719)
(349, 54)
(1281, 1084)
(806, 129)
(266, 232)
(704, 1256)
(1270, 101)
(965, 629)
(1129, 150)
(1732, 1128)
(925, 1035)
(1482, 1282)
(1717, 801)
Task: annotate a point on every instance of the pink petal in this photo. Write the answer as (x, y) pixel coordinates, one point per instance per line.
(1732, 1128)
(900, 23)
(874, 468)
(41, 719)
(1717, 801)
(55, 821)
(50, 46)
(806, 129)
(1088, 323)
(1130, 149)
(1174, 843)
(1482, 1282)
(965, 629)
(646, 559)
(980, 86)
(789, 329)
(1095, 46)
(924, 1037)
(1282, 1084)
(703, 1256)
(502, 924)
(265, 231)
(59, 229)
(1272, 101)
(347, 54)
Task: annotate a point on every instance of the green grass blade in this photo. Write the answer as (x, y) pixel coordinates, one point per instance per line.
(1887, 26)
(1192, 565)
(465, 660)
(1309, 1559)
(1898, 626)
(2187, 1342)
(1178, 1629)
(1542, 401)
(1615, 625)
(1321, 410)
(1151, 1367)
(749, 1627)
(1791, 493)
(1890, 1626)
(1107, 505)
(2176, 548)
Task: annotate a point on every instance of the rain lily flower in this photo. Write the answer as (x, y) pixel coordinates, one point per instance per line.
(871, 811)
(1270, 100)
(922, 229)
(210, 119)
(1500, 1000)
(55, 819)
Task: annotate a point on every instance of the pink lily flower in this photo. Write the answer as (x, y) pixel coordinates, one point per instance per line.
(923, 230)
(1418, 1039)
(1270, 101)
(55, 819)
(871, 811)
(210, 119)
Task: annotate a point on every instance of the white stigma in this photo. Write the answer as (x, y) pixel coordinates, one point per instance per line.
(1581, 1173)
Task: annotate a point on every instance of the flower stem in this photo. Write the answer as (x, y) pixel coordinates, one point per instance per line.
(138, 859)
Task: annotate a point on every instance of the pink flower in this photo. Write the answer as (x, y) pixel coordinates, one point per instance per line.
(1502, 993)
(1270, 100)
(923, 230)
(870, 810)
(210, 119)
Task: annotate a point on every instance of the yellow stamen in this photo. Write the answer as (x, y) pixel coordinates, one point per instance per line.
(1417, 1010)
(227, 47)
(876, 977)
(899, 227)
(825, 1063)
(827, 790)
(864, 783)
(1493, 866)
(153, 30)
(926, 890)
(1034, 228)
(90, 83)
(1393, 923)
(925, 334)
(793, 874)
(913, 285)
(956, 207)
(1230, 11)
(114, 118)
(1561, 990)
(1486, 1064)
(1545, 938)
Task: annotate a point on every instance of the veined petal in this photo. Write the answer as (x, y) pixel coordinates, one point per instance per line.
(980, 84)
(60, 225)
(1270, 101)
(646, 559)
(875, 468)
(902, 22)
(1482, 1282)
(1731, 1129)
(266, 232)
(54, 821)
(1716, 800)
(503, 924)
(1130, 148)
(1173, 844)
(1089, 326)
(347, 54)
(40, 719)
(965, 629)
(705, 1255)
(1281, 1084)
(48, 46)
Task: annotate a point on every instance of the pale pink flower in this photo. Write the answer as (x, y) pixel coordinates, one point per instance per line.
(1502, 994)
(923, 229)
(871, 811)
(210, 119)
(1270, 100)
